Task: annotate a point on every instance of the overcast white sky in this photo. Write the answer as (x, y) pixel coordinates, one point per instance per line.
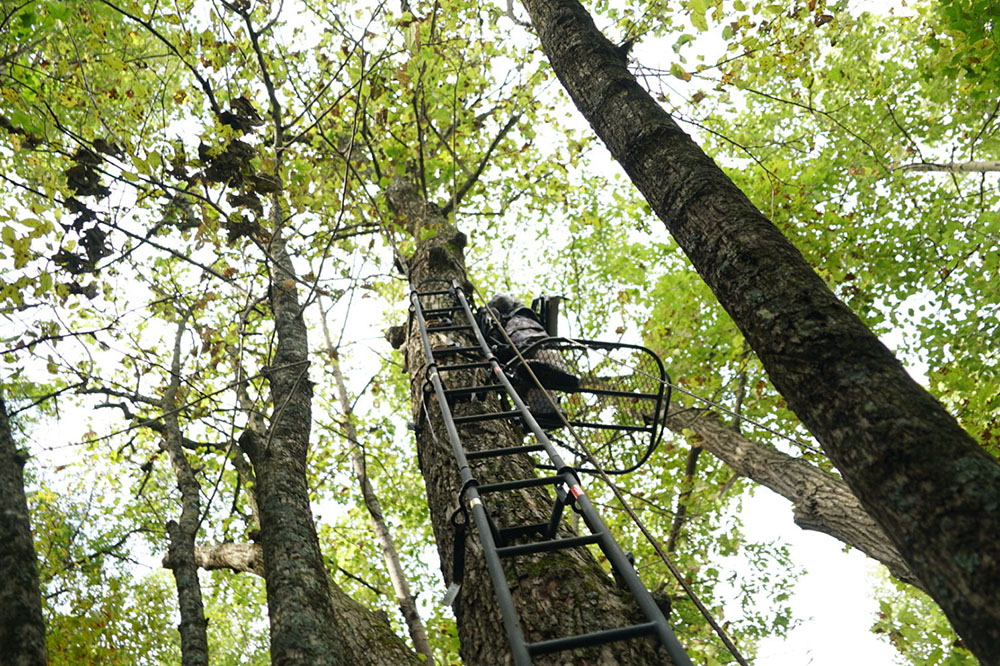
(833, 597)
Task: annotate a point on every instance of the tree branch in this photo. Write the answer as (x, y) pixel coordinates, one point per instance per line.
(193, 626)
(822, 502)
(236, 557)
(972, 166)
(464, 189)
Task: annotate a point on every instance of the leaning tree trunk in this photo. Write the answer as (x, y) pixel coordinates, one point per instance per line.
(22, 631)
(933, 490)
(821, 501)
(557, 594)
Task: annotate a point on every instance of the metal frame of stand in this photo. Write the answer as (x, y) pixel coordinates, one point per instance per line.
(566, 482)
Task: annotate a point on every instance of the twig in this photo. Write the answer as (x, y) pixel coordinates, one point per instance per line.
(462, 191)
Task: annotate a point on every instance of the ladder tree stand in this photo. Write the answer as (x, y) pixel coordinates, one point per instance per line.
(552, 603)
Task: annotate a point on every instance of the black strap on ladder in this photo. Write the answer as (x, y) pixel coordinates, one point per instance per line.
(566, 482)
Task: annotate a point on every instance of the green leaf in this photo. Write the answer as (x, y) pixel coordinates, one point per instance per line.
(698, 20)
(678, 71)
(58, 10)
(681, 41)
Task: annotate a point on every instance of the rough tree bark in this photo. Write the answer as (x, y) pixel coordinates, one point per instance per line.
(557, 594)
(312, 621)
(369, 638)
(182, 532)
(304, 629)
(933, 490)
(821, 501)
(22, 631)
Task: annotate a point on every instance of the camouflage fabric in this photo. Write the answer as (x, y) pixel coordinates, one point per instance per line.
(524, 329)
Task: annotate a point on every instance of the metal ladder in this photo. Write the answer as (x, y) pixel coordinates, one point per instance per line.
(459, 317)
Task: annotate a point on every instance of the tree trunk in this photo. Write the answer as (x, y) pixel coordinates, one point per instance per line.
(933, 490)
(400, 585)
(22, 631)
(821, 501)
(304, 629)
(312, 621)
(369, 638)
(556, 594)
(182, 532)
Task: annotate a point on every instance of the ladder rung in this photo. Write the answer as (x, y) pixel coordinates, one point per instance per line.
(467, 390)
(433, 293)
(546, 546)
(493, 416)
(519, 483)
(450, 351)
(593, 638)
(610, 426)
(455, 327)
(464, 366)
(509, 451)
(430, 312)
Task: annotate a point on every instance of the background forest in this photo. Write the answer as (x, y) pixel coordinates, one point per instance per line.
(184, 180)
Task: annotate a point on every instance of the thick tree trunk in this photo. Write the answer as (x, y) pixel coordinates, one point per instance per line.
(821, 501)
(556, 594)
(22, 631)
(182, 532)
(933, 490)
(311, 619)
(369, 638)
(304, 629)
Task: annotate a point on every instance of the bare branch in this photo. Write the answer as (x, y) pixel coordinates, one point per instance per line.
(47, 396)
(400, 584)
(972, 166)
(462, 191)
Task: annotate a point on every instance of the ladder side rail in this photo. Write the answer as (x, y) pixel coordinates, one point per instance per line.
(501, 590)
(501, 376)
(631, 579)
(511, 623)
(435, 379)
(590, 515)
